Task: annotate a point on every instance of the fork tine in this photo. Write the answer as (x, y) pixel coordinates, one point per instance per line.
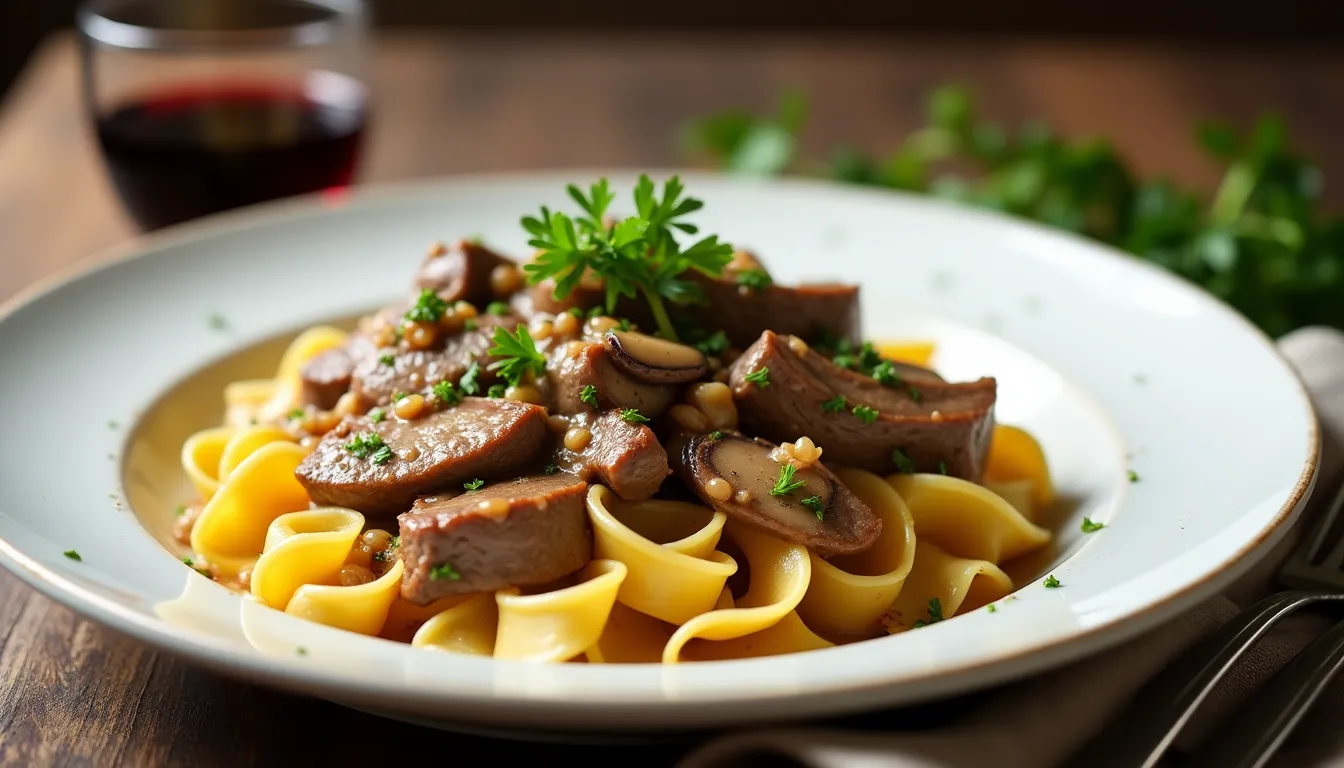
(1305, 568)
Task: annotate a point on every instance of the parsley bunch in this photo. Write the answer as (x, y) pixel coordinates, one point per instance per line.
(1262, 242)
(636, 256)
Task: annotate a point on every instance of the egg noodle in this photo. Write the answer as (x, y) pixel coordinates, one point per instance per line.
(669, 581)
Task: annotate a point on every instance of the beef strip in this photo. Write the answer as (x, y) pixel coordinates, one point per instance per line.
(478, 438)
(809, 310)
(461, 273)
(415, 370)
(844, 524)
(936, 424)
(514, 533)
(325, 378)
(576, 365)
(625, 457)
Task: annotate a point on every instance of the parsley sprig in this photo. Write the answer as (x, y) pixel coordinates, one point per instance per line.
(935, 613)
(370, 445)
(785, 484)
(639, 255)
(517, 355)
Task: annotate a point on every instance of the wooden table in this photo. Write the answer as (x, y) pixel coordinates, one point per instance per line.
(74, 692)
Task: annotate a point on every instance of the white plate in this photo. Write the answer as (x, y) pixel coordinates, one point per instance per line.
(1112, 364)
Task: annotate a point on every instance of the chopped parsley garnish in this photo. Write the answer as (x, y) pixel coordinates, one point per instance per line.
(73, 555)
(301, 651)
(935, 613)
(551, 469)
(904, 464)
(517, 355)
(216, 321)
(180, 511)
(814, 503)
(942, 467)
(836, 404)
(370, 445)
(754, 279)
(398, 396)
(716, 435)
(760, 377)
(497, 308)
(633, 416)
(429, 308)
(884, 373)
(470, 324)
(595, 312)
(496, 390)
(785, 484)
(1051, 582)
(638, 256)
(714, 344)
(577, 312)
(588, 394)
(915, 394)
(112, 424)
(474, 485)
(468, 383)
(445, 394)
(1091, 527)
(992, 608)
(865, 414)
(394, 542)
(296, 414)
(444, 572)
(389, 361)
(187, 561)
(1133, 476)
(624, 324)
(377, 415)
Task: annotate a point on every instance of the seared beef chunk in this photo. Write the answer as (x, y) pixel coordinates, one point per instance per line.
(461, 273)
(477, 438)
(735, 474)
(579, 364)
(806, 310)
(626, 457)
(541, 298)
(418, 369)
(653, 360)
(325, 378)
(514, 533)
(937, 425)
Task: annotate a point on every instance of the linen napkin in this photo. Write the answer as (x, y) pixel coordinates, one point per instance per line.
(1041, 721)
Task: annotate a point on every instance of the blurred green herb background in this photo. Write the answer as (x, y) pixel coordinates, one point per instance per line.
(1262, 241)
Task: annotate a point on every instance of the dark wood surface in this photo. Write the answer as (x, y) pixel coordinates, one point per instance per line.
(72, 692)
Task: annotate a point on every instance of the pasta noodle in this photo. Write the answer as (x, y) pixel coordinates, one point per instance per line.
(660, 585)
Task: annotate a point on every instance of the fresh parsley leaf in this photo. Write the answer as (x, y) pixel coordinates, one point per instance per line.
(1051, 582)
(785, 484)
(992, 608)
(382, 455)
(1133, 476)
(73, 555)
(445, 394)
(633, 416)
(365, 444)
(517, 355)
(474, 485)
(301, 651)
(551, 469)
(376, 415)
(814, 503)
(624, 325)
(180, 510)
(398, 396)
(470, 324)
(1091, 527)
(497, 308)
(754, 279)
(428, 308)
(588, 395)
(760, 377)
(496, 390)
(884, 373)
(389, 361)
(296, 414)
(935, 613)
(216, 321)
(716, 435)
(904, 464)
(836, 404)
(444, 572)
(942, 467)
(714, 344)
(865, 414)
(469, 383)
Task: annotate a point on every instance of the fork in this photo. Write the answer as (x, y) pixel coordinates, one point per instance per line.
(1147, 727)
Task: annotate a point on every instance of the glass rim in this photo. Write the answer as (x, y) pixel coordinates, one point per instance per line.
(93, 24)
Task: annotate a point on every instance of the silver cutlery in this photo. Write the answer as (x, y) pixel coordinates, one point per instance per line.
(1314, 573)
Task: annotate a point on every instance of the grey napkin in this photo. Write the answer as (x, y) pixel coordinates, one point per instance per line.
(1042, 720)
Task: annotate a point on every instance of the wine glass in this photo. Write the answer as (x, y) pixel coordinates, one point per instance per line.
(206, 105)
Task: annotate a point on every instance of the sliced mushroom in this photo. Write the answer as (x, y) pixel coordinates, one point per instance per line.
(579, 364)
(735, 474)
(654, 360)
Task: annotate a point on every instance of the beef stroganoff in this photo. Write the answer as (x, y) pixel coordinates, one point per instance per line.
(634, 447)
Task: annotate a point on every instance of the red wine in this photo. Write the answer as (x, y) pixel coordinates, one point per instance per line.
(187, 152)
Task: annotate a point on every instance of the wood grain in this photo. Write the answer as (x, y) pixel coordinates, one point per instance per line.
(75, 693)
